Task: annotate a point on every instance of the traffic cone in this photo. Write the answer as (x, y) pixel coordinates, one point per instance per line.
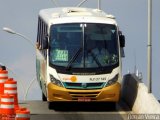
(22, 114)
(3, 78)
(10, 87)
(7, 107)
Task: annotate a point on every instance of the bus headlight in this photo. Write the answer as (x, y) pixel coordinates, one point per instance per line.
(55, 81)
(112, 81)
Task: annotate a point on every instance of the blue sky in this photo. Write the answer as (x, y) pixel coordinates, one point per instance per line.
(131, 16)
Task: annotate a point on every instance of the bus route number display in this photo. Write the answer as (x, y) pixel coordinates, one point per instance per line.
(60, 55)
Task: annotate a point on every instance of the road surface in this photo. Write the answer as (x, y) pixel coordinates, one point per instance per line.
(76, 111)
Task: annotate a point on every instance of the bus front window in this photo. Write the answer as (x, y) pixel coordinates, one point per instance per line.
(91, 45)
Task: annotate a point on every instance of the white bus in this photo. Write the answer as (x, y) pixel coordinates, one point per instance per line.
(79, 54)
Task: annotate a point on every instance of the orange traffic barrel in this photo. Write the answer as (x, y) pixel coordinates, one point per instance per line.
(3, 67)
(10, 87)
(22, 114)
(7, 107)
(3, 78)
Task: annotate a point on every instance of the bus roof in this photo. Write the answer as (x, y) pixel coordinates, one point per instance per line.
(51, 14)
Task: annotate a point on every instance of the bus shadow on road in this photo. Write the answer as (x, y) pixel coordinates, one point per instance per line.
(84, 106)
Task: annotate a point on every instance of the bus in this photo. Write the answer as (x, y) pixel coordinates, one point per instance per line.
(79, 55)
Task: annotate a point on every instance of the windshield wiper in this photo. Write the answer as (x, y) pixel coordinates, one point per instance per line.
(74, 57)
(95, 58)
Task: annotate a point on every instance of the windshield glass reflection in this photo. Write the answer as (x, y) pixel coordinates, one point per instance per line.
(90, 45)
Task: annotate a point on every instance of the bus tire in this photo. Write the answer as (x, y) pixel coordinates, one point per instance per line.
(44, 98)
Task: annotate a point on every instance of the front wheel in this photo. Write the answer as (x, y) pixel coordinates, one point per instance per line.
(44, 98)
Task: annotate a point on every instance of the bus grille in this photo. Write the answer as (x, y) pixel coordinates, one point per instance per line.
(91, 95)
(84, 85)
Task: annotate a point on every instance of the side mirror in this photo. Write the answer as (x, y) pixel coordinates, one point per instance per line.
(122, 40)
(122, 52)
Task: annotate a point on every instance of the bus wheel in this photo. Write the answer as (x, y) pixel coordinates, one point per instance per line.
(44, 97)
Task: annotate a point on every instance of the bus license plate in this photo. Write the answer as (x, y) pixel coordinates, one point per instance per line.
(84, 99)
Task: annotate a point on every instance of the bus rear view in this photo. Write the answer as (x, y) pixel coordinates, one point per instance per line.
(79, 55)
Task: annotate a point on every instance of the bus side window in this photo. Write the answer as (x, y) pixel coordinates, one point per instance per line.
(38, 34)
(42, 32)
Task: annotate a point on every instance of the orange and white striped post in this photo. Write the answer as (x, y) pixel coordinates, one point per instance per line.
(7, 107)
(10, 87)
(3, 78)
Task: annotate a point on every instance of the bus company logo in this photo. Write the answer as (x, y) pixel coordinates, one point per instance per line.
(84, 85)
(72, 78)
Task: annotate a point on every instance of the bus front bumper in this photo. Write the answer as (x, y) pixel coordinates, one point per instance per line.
(110, 93)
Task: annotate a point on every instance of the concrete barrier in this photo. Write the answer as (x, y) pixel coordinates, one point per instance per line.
(136, 96)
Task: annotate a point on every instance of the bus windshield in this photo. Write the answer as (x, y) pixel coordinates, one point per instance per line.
(83, 45)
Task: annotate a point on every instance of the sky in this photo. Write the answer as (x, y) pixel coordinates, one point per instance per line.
(22, 16)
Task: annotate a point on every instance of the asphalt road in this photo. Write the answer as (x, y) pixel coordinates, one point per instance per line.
(76, 111)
